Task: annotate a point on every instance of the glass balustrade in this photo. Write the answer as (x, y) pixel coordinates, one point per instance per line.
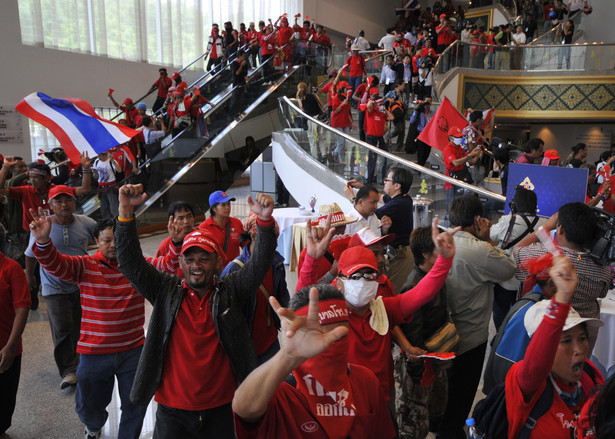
(351, 158)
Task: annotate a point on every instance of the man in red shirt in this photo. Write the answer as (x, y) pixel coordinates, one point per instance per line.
(180, 213)
(162, 84)
(112, 333)
(455, 159)
(198, 344)
(332, 399)
(267, 40)
(356, 62)
(444, 31)
(224, 228)
(285, 34)
(376, 117)
(321, 49)
(341, 117)
(14, 308)
(127, 107)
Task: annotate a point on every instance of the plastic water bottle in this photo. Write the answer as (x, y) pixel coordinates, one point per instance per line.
(473, 431)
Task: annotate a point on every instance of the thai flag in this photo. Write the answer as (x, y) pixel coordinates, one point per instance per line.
(75, 124)
(409, 5)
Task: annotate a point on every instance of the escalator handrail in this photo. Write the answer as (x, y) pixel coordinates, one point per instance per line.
(388, 155)
(199, 156)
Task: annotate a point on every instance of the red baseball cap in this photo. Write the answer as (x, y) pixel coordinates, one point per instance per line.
(175, 75)
(343, 84)
(355, 258)
(127, 101)
(552, 154)
(374, 91)
(61, 189)
(442, 15)
(202, 240)
(455, 132)
(333, 73)
(366, 237)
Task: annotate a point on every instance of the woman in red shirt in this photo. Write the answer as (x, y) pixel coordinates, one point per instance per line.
(557, 356)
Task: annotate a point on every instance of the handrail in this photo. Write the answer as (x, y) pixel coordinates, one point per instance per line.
(388, 155)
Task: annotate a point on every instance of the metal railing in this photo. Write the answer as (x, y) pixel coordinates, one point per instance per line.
(286, 104)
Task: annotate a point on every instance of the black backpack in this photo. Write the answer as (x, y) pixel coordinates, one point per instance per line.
(491, 417)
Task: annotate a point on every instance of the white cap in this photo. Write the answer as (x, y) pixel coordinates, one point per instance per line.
(534, 316)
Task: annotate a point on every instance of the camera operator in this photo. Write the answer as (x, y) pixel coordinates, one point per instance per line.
(421, 116)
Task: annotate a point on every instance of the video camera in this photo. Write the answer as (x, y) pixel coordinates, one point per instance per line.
(603, 249)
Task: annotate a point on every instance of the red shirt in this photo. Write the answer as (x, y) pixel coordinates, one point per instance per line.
(375, 122)
(196, 374)
(130, 115)
(219, 235)
(162, 90)
(452, 152)
(284, 34)
(322, 39)
(328, 89)
(289, 415)
(323, 266)
(123, 159)
(357, 65)
(444, 37)
(14, 294)
(31, 199)
(341, 119)
(360, 91)
(267, 43)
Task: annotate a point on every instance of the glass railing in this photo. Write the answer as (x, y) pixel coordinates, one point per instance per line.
(361, 161)
(529, 58)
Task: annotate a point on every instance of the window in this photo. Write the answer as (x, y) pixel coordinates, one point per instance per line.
(167, 32)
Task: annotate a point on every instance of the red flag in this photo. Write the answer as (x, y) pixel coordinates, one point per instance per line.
(435, 133)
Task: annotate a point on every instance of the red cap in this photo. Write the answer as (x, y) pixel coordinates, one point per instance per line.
(374, 91)
(333, 73)
(355, 258)
(202, 240)
(455, 132)
(442, 15)
(552, 154)
(61, 189)
(175, 75)
(476, 32)
(343, 84)
(366, 237)
(127, 101)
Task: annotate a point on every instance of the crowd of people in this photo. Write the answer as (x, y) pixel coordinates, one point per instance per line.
(367, 281)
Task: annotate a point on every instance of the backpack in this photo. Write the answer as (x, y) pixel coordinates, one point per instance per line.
(498, 366)
(490, 412)
(491, 417)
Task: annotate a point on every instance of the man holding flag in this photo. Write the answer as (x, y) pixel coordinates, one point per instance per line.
(456, 161)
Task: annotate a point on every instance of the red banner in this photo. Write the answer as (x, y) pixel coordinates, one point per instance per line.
(435, 133)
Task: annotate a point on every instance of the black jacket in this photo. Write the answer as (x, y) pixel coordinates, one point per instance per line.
(165, 292)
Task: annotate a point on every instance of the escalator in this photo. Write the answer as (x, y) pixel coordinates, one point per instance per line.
(189, 167)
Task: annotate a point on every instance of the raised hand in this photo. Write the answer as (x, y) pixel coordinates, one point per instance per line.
(564, 277)
(262, 206)
(130, 196)
(318, 238)
(176, 230)
(444, 242)
(304, 337)
(85, 160)
(10, 161)
(40, 227)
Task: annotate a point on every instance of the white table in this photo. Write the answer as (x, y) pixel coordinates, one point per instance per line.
(286, 217)
(604, 350)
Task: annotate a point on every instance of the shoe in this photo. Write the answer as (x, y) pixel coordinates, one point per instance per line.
(97, 435)
(70, 379)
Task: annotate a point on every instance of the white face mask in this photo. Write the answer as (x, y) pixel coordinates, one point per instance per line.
(360, 292)
(457, 140)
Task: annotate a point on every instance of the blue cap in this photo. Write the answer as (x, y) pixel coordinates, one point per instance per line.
(142, 106)
(470, 422)
(219, 197)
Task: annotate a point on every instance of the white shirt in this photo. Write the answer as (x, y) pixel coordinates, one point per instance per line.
(371, 222)
(362, 43)
(518, 39)
(152, 135)
(104, 170)
(386, 42)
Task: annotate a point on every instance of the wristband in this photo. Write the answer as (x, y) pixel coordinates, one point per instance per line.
(125, 220)
(86, 170)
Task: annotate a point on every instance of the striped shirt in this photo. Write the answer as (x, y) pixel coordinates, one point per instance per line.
(113, 313)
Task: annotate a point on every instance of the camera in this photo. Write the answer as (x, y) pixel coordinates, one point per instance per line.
(603, 249)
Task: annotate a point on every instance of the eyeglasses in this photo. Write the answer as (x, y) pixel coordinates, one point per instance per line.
(359, 276)
(388, 179)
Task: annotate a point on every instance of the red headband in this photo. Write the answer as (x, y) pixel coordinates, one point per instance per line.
(329, 311)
